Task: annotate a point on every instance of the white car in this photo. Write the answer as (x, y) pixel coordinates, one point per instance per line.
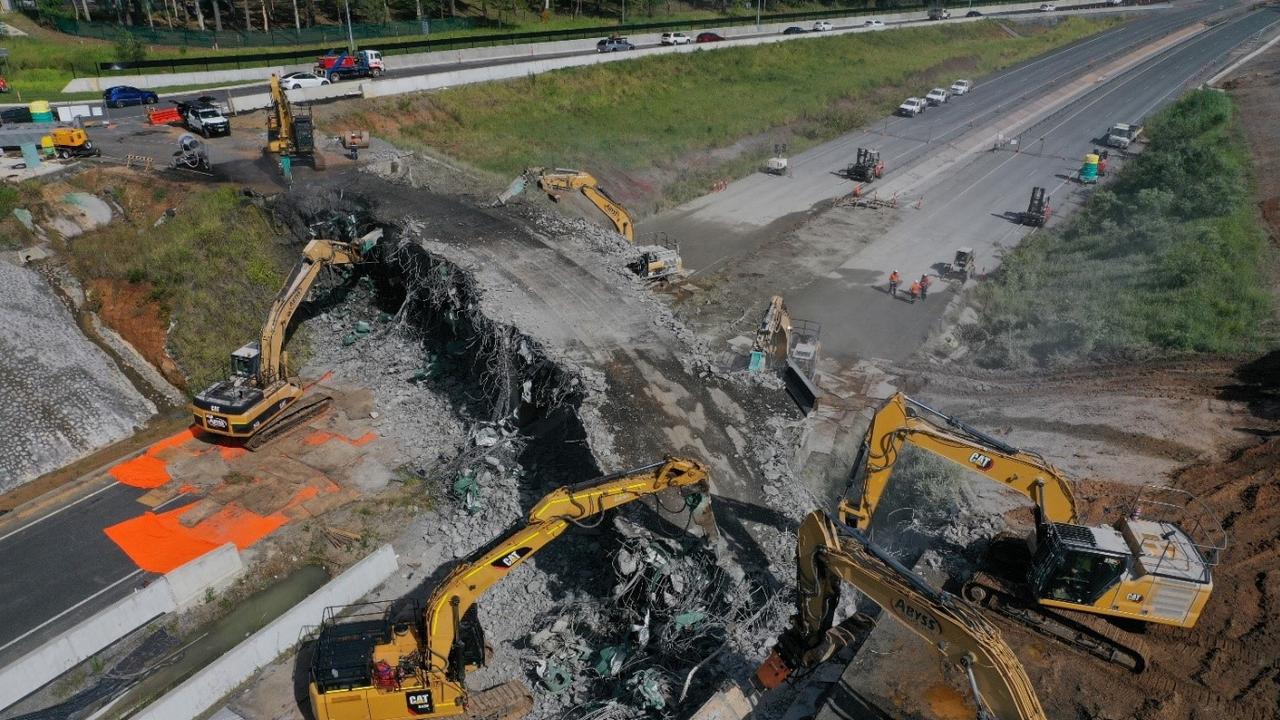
(960, 87)
(821, 26)
(873, 24)
(937, 96)
(912, 107)
(1046, 7)
(295, 80)
(675, 38)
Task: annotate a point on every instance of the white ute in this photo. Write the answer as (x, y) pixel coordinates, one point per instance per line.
(960, 87)
(937, 96)
(912, 107)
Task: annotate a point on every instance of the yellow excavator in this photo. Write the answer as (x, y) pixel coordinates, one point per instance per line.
(381, 669)
(827, 554)
(567, 180)
(251, 404)
(1154, 565)
(290, 135)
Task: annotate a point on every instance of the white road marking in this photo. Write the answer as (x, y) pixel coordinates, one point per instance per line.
(62, 614)
(55, 512)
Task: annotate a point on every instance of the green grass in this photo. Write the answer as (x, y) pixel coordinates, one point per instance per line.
(1170, 257)
(214, 267)
(656, 111)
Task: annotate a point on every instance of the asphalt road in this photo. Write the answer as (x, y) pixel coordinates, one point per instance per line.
(968, 204)
(138, 111)
(61, 568)
(715, 228)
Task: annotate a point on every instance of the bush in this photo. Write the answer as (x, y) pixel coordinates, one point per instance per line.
(130, 48)
(1168, 257)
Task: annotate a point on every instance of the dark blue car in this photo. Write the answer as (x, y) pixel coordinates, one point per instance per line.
(122, 95)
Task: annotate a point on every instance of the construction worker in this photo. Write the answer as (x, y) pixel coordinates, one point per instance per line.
(1102, 162)
(894, 279)
(924, 286)
(915, 291)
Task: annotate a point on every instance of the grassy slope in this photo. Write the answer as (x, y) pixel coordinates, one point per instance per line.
(213, 267)
(1169, 257)
(657, 110)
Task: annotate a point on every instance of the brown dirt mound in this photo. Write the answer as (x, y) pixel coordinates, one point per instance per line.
(128, 309)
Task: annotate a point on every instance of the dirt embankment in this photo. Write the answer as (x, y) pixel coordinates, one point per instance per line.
(1256, 91)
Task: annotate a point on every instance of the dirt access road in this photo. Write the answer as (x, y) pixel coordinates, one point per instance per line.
(835, 260)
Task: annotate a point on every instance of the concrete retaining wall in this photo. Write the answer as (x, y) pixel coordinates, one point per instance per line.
(479, 54)
(174, 591)
(204, 689)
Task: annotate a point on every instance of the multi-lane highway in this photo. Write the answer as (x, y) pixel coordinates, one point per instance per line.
(962, 195)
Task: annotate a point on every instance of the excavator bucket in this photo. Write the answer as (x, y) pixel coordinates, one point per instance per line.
(801, 389)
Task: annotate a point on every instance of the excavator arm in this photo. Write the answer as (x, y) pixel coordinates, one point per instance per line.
(828, 554)
(901, 420)
(547, 521)
(566, 179)
(317, 255)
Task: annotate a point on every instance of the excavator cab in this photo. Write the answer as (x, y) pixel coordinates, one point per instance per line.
(1071, 565)
(246, 361)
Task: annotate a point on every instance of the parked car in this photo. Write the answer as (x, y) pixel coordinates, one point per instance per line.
(973, 13)
(204, 116)
(295, 80)
(1046, 7)
(675, 38)
(821, 26)
(15, 115)
(614, 44)
(960, 87)
(793, 30)
(912, 107)
(937, 96)
(708, 37)
(122, 95)
(873, 24)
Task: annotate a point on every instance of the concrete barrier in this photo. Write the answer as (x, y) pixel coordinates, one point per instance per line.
(178, 589)
(203, 690)
(492, 52)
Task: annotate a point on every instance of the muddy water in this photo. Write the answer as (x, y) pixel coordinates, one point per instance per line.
(249, 616)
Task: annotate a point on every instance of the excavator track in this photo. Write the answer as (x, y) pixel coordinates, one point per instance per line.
(302, 411)
(508, 701)
(985, 591)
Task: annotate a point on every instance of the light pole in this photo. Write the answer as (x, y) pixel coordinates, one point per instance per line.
(351, 41)
(758, 4)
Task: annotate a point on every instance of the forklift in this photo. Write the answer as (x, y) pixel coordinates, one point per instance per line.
(867, 168)
(1038, 209)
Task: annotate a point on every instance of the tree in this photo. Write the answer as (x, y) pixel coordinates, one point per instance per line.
(129, 47)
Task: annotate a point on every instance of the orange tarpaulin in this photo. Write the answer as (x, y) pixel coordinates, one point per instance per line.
(158, 543)
(147, 470)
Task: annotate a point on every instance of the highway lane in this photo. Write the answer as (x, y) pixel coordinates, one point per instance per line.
(137, 112)
(716, 228)
(54, 563)
(970, 201)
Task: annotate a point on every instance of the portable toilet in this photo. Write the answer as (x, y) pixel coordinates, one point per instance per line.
(1089, 171)
(40, 111)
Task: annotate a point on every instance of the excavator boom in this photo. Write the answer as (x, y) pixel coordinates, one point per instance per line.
(901, 420)
(565, 179)
(828, 554)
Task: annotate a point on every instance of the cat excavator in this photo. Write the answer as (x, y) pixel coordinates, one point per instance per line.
(567, 180)
(828, 554)
(251, 404)
(290, 135)
(382, 668)
(1153, 565)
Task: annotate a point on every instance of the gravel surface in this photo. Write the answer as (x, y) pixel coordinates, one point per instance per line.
(61, 396)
